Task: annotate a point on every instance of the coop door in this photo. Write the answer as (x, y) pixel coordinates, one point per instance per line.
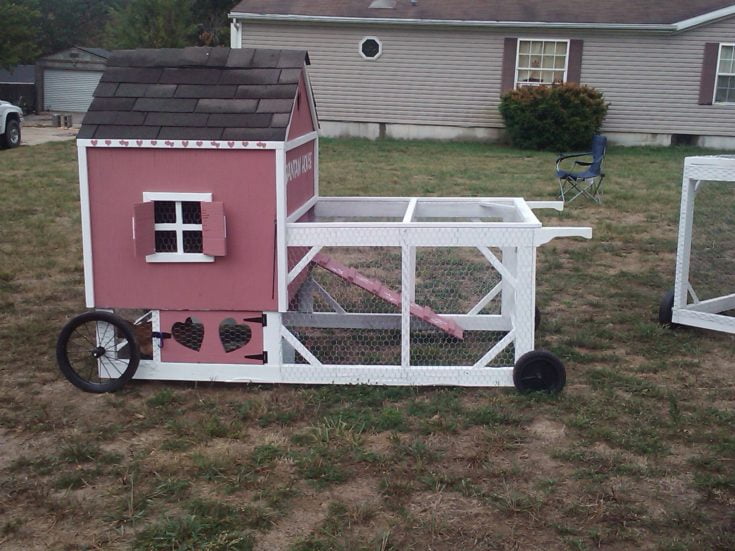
(212, 337)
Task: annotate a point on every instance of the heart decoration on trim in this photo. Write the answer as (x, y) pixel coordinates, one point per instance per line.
(231, 144)
(139, 142)
(244, 144)
(154, 142)
(190, 333)
(234, 336)
(169, 143)
(199, 144)
(215, 144)
(124, 142)
(185, 143)
(108, 142)
(260, 144)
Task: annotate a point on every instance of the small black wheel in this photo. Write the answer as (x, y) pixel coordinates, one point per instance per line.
(12, 134)
(539, 371)
(666, 309)
(97, 352)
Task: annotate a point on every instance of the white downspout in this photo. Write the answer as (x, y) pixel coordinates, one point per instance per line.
(235, 33)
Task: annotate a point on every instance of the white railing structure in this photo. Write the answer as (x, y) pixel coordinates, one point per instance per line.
(413, 291)
(704, 288)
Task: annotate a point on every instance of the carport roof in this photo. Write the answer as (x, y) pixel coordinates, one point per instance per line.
(195, 93)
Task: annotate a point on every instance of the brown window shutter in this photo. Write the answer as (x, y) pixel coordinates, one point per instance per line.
(508, 80)
(709, 73)
(144, 228)
(214, 238)
(574, 64)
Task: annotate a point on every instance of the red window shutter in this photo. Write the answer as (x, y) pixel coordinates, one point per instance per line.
(709, 73)
(508, 80)
(144, 231)
(214, 236)
(574, 64)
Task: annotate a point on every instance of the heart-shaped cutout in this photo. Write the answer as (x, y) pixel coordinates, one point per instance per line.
(189, 334)
(233, 336)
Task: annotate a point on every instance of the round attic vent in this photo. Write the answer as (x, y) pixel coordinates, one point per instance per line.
(371, 47)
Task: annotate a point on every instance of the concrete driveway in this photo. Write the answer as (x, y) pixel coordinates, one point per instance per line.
(34, 135)
(38, 129)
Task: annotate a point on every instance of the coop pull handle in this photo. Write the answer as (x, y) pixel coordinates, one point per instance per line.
(544, 235)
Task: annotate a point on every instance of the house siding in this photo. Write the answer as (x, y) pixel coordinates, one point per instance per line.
(452, 77)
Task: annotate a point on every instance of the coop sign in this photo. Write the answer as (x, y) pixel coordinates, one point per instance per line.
(298, 166)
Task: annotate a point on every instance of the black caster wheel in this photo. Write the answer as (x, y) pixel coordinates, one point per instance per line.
(665, 309)
(539, 371)
(97, 352)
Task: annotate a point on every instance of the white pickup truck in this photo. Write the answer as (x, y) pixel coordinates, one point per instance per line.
(10, 119)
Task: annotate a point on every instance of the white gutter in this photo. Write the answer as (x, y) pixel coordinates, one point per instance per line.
(449, 22)
(659, 27)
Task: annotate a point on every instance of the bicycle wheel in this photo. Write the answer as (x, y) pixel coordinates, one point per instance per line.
(97, 352)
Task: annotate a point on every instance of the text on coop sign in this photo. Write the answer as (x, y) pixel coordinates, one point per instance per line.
(298, 166)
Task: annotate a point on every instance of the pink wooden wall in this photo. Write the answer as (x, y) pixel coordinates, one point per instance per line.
(244, 180)
(301, 119)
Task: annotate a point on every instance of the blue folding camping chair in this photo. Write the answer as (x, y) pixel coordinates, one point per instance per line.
(582, 177)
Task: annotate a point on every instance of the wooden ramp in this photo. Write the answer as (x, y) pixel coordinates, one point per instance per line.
(377, 288)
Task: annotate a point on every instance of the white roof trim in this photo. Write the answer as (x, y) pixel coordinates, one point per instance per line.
(705, 18)
(179, 144)
(659, 27)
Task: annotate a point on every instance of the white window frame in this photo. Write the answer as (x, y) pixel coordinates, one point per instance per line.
(718, 74)
(519, 84)
(179, 227)
(380, 47)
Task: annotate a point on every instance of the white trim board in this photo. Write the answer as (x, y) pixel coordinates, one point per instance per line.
(86, 226)
(181, 144)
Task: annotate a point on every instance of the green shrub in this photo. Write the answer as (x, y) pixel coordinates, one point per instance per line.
(557, 118)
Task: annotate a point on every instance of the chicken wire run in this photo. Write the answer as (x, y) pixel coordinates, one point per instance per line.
(703, 294)
(412, 291)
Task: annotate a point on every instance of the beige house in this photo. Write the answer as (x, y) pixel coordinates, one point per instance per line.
(437, 69)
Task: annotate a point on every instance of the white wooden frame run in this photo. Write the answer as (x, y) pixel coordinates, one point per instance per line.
(517, 235)
(699, 313)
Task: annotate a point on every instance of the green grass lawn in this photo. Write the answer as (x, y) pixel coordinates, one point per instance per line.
(637, 452)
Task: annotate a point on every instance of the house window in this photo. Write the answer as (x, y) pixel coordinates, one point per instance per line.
(371, 47)
(725, 85)
(541, 62)
(179, 227)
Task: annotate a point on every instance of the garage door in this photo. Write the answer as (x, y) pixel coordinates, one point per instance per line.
(69, 90)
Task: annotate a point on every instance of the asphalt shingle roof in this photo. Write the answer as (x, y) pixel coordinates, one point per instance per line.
(531, 11)
(195, 93)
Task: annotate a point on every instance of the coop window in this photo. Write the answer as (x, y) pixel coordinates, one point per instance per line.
(371, 47)
(179, 227)
(541, 62)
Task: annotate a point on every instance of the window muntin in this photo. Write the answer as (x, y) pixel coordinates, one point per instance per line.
(178, 228)
(541, 62)
(725, 82)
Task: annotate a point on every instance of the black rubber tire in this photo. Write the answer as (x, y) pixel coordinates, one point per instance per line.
(539, 371)
(11, 137)
(666, 308)
(81, 357)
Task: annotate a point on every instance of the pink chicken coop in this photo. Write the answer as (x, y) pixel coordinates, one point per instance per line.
(210, 256)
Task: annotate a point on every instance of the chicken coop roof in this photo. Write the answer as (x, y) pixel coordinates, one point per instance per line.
(195, 93)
